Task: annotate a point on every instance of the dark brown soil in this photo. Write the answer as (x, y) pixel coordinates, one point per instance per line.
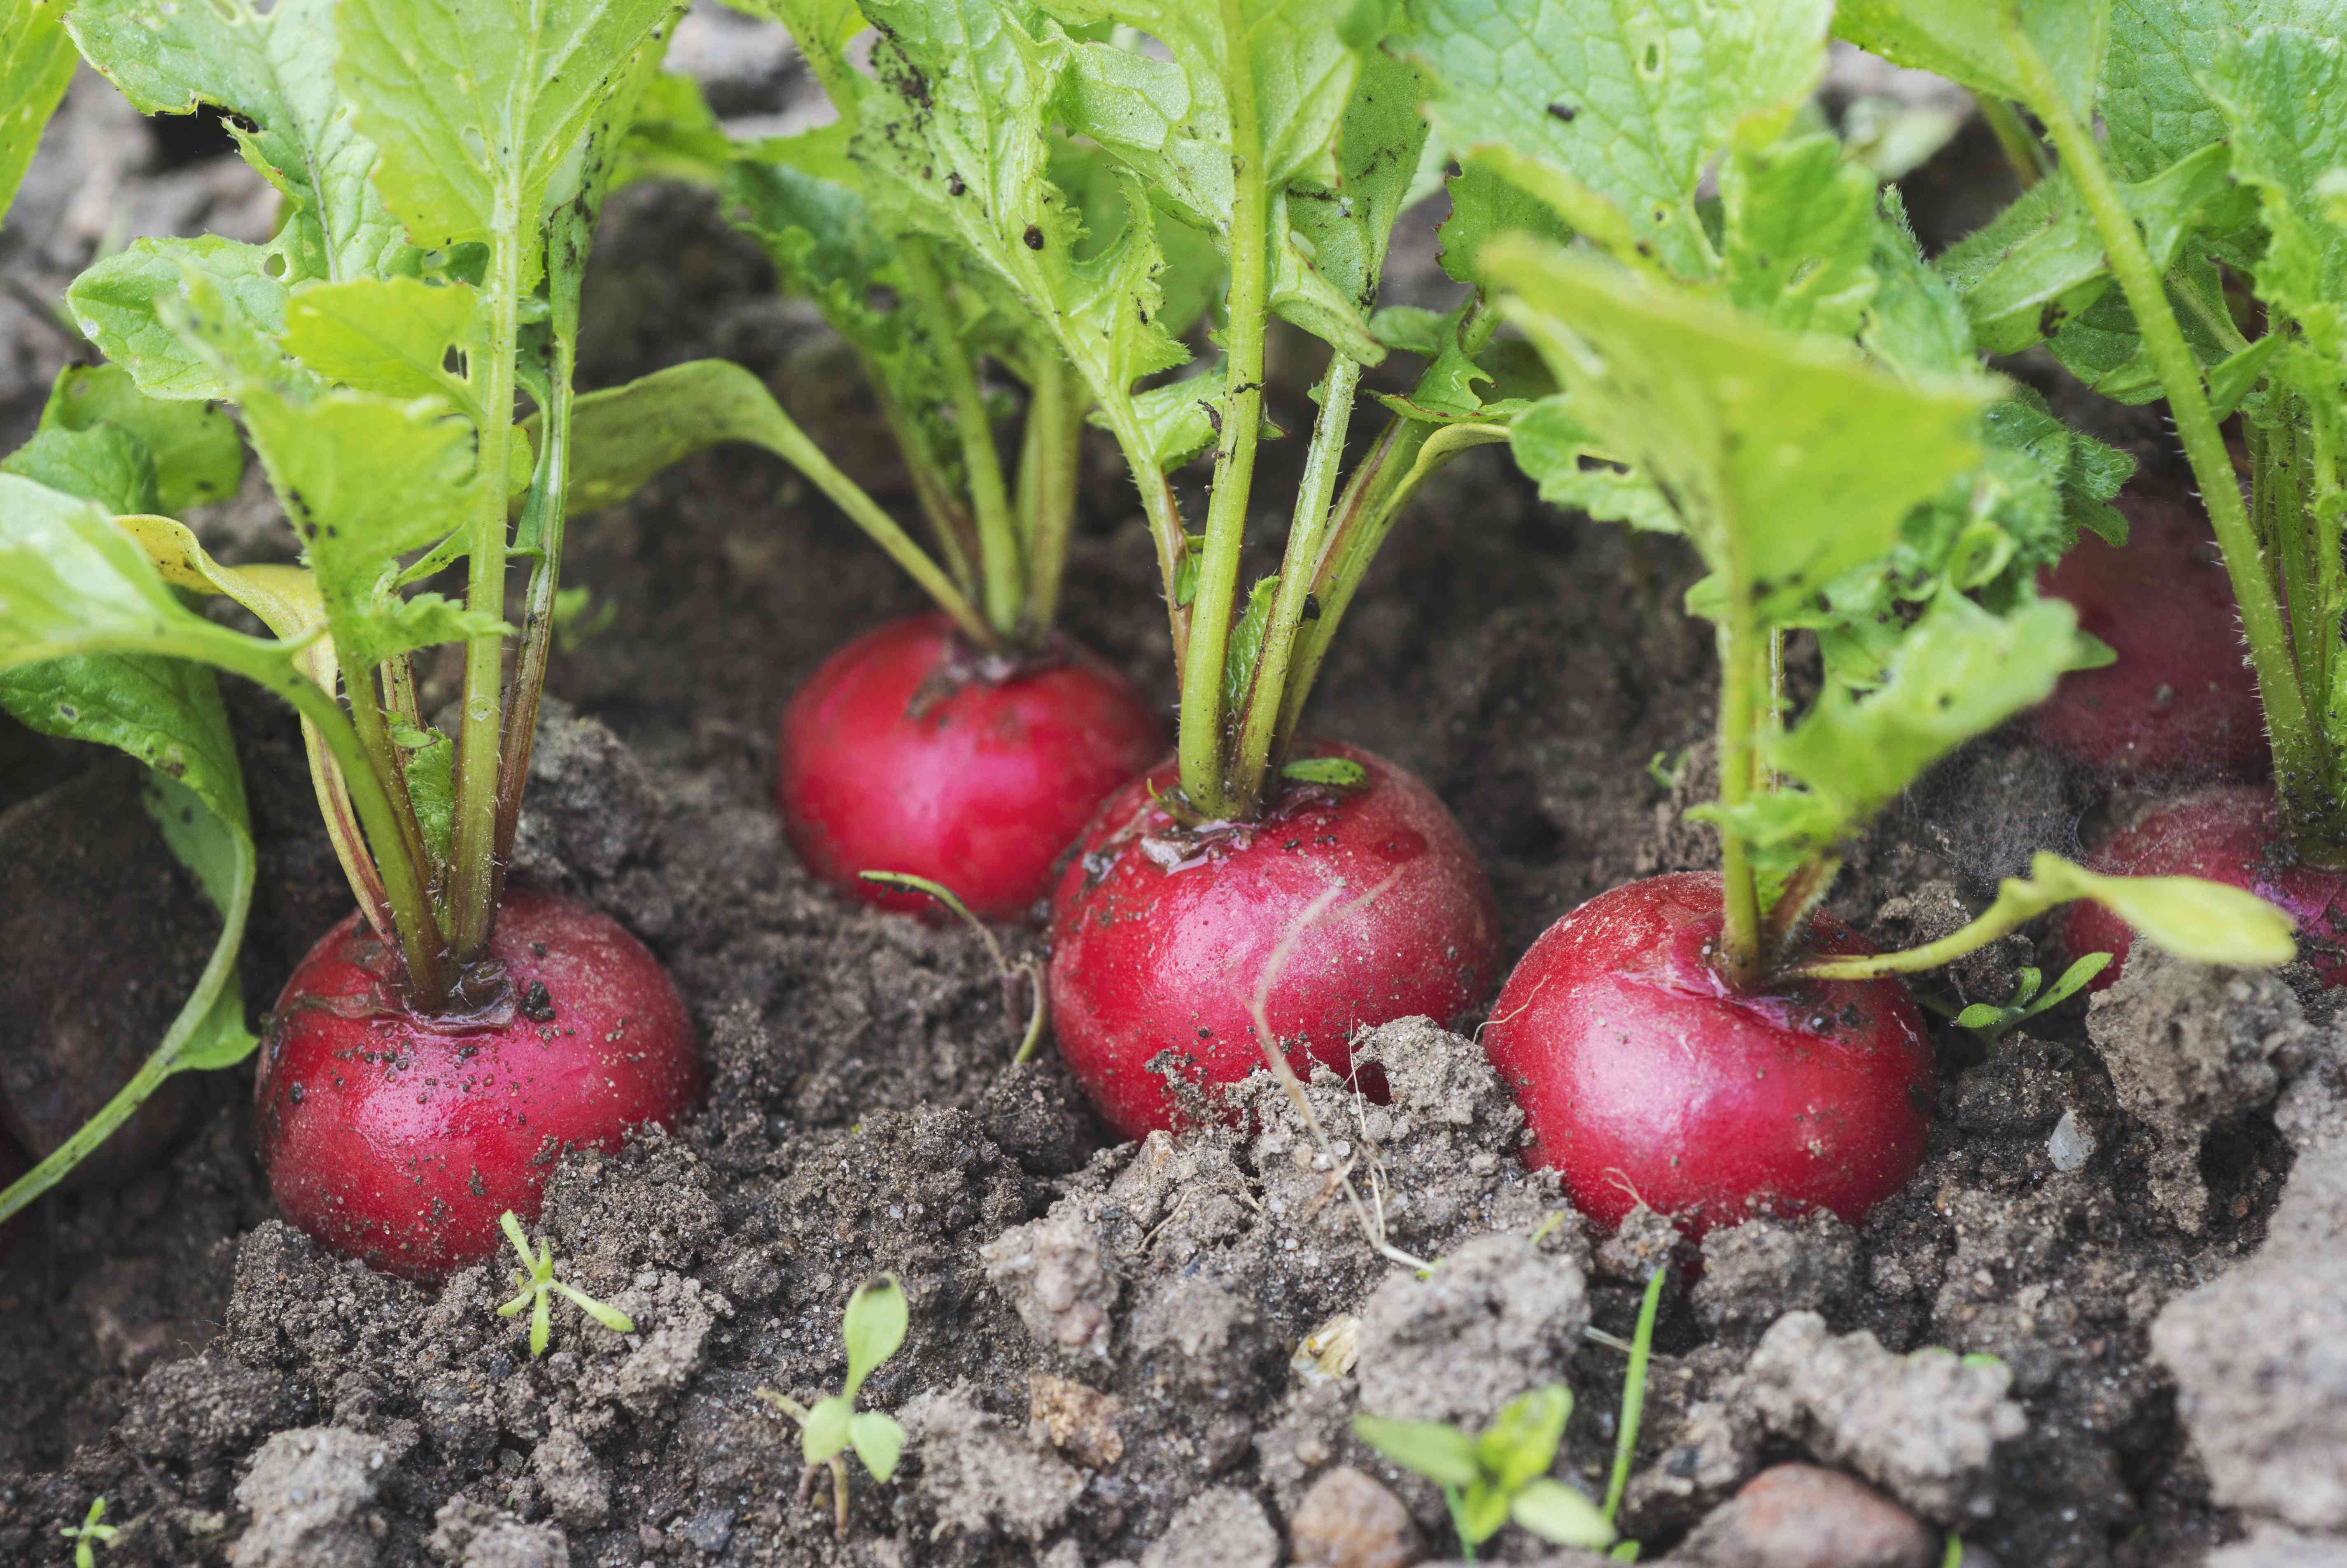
(1104, 1362)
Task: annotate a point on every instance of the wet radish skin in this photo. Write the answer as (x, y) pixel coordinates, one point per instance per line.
(2179, 705)
(898, 757)
(2228, 833)
(399, 1138)
(1643, 1077)
(1146, 959)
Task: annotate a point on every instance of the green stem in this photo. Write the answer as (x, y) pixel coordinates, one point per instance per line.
(1743, 651)
(2023, 151)
(1633, 1395)
(1049, 449)
(431, 975)
(1200, 748)
(2298, 747)
(542, 519)
(473, 842)
(388, 761)
(2291, 546)
(2000, 919)
(1003, 574)
(1267, 694)
(950, 520)
(2319, 470)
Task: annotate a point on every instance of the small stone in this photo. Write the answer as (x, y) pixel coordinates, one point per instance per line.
(1800, 1516)
(1348, 1521)
(2069, 1146)
(711, 1530)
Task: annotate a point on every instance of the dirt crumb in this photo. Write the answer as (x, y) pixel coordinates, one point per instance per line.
(1711, 1450)
(1644, 1242)
(199, 1413)
(982, 1478)
(1348, 1521)
(1222, 1528)
(469, 1534)
(574, 1482)
(1799, 1516)
(1500, 1316)
(1079, 1421)
(2261, 1383)
(2189, 1047)
(1755, 1273)
(311, 1493)
(2273, 1546)
(1050, 1272)
(1923, 1427)
(590, 807)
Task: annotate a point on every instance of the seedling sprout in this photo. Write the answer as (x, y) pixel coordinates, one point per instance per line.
(874, 1327)
(1499, 1474)
(89, 1535)
(538, 1288)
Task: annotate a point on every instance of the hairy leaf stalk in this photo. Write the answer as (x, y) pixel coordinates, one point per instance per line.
(2303, 782)
(1202, 747)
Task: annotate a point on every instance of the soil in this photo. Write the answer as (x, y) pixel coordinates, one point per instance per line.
(2099, 1327)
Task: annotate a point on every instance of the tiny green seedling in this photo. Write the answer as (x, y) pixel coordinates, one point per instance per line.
(89, 1535)
(538, 1288)
(1991, 1023)
(1633, 1405)
(1499, 1474)
(1029, 969)
(874, 1327)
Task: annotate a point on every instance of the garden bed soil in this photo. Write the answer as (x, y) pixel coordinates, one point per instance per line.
(2129, 1220)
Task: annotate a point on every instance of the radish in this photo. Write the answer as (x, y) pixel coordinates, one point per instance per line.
(1716, 1047)
(2228, 833)
(1645, 1079)
(445, 1042)
(991, 764)
(399, 1136)
(2179, 704)
(988, 221)
(1162, 933)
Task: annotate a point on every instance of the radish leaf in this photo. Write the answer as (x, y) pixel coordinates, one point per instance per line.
(198, 457)
(1630, 104)
(37, 61)
(1788, 459)
(1963, 40)
(273, 74)
(474, 107)
(1799, 234)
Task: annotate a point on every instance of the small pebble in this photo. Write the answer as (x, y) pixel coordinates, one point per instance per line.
(1800, 1516)
(2070, 1145)
(1348, 1521)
